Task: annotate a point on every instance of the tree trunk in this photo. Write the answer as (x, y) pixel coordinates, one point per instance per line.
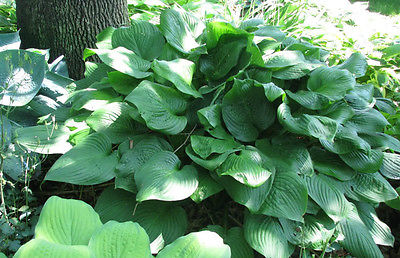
(67, 27)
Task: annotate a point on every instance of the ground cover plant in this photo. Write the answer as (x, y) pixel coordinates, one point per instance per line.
(191, 110)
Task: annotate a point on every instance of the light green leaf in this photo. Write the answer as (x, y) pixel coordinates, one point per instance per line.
(287, 198)
(246, 111)
(142, 37)
(115, 239)
(245, 167)
(202, 244)
(380, 231)
(390, 166)
(363, 162)
(181, 29)
(330, 164)
(284, 59)
(67, 222)
(21, 75)
(320, 127)
(179, 72)
(391, 51)
(114, 121)
(331, 82)
(265, 235)
(122, 83)
(206, 188)
(361, 97)
(161, 178)
(164, 222)
(90, 162)
(309, 99)
(44, 249)
(160, 106)
(115, 204)
(9, 40)
(328, 197)
(44, 139)
(356, 64)
(394, 203)
(357, 240)
(123, 60)
(272, 92)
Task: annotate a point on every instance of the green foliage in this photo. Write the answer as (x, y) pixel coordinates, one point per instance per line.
(68, 227)
(204, 106)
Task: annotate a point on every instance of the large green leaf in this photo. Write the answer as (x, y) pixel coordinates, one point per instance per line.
(211, 163)
(211, 118)
(67, 222)
(361, 97)
(309, 99)
(296, 71)
(114, 120)
(320, 127)
(21, 75)
(123, 60)
(113, 240)
(45, 139)
(115, 204)
(181, 29)
(179, 72)
(357, 239)
(44, 249)
(356, 64)
(266, 236)
(328, 197)
(287, 198)
(122, 83)
(391, 165)
(245, 167)
(202, 244)
(380, 231)
(246, 111)
(363, 162)
(141, 37)
(234, 237)
(206, 188)
(90, 162)
(331, 82)
(161, 178)
(164, 222)
(9, 40)
(284, 59)
(205, 146)
(330, 164)
(370, 120)
(160, 106)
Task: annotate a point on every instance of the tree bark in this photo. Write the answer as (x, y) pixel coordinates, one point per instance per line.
(67, 27)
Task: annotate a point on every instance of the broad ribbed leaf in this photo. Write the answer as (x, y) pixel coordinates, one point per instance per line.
(380, 231)
(197, 244)
(356, 64)
(296, 71)
(272, 92)
(284, 59)
(363, 162)
(246, 111)
(361, 97)
(114, 121)
(115, 239)
(320, 127)
(245, 167)
(328, 197)
(161, 178)
(164, 222)
(395, 203)
(211, 118)
(234, 237)
(381, 141)
(391, 51)
(357, 239)
(206, 188)
(330, 164)
(123, 60)
(67, 222)
(180, 29)
(331, 82)
(266, 236)
(44, 249)
(205, 146)
(90, 162)
(92, 98)
(10, 40)
(142, 37)
(179, 72)
(370, 120)
(390, 166)
(339, 111)
(160, 106)
(287, 198)
(309, 99)
(211, 163)
(44, 139)
(122, 83)
(372, 187)
(115, 204)
(21, 75)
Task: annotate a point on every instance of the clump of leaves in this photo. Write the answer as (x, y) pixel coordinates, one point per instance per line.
(198, 108)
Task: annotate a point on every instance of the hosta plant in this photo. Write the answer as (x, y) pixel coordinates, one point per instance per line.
(188, 109)
(71, 228)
